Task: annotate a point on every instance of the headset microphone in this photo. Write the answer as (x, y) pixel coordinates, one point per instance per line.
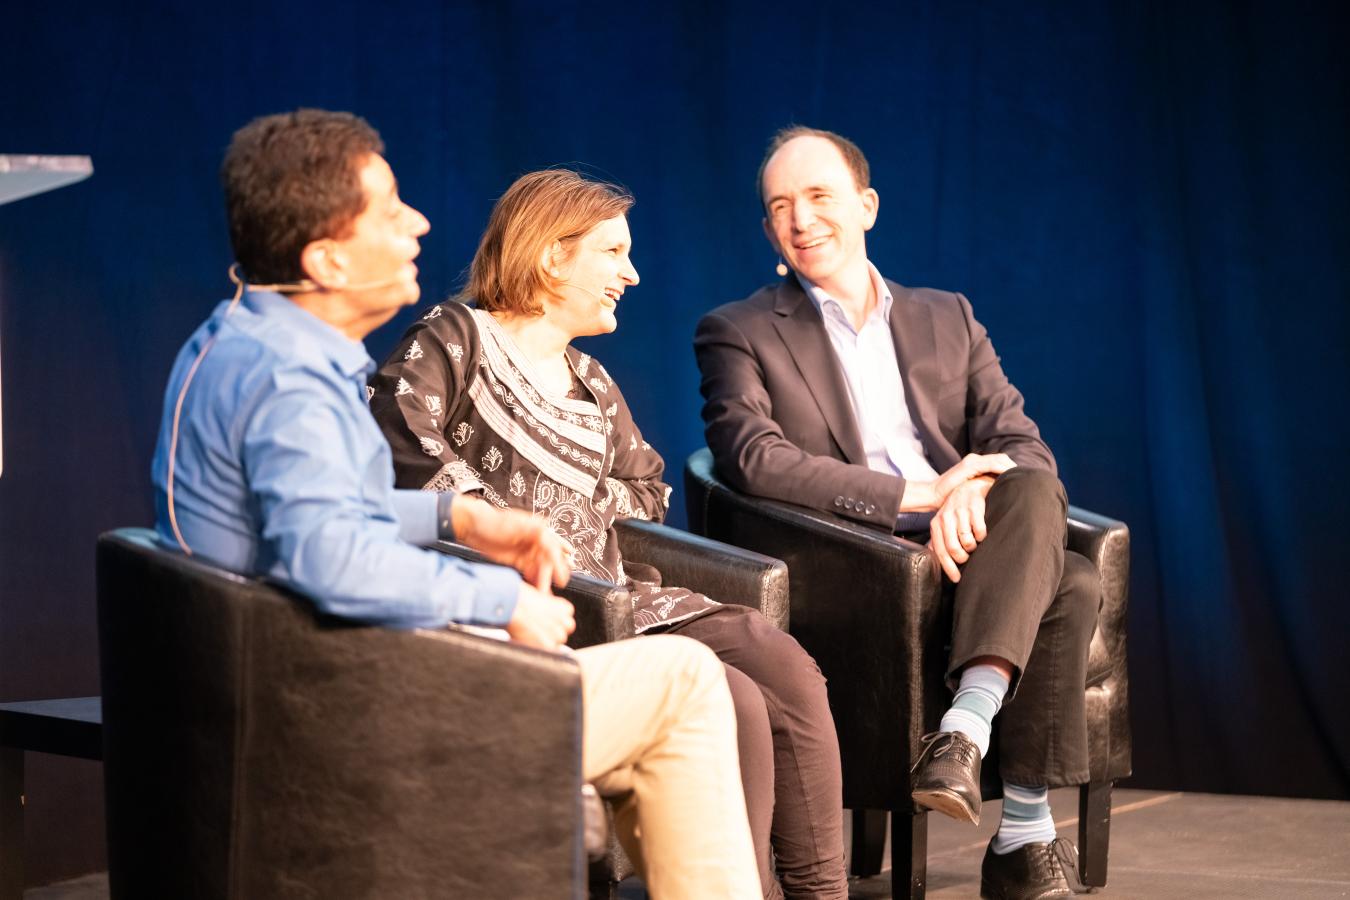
(370, 285)
(600, 294)
(306, 286)
(303, 286)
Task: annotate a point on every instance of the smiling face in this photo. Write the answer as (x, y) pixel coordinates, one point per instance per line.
(815, 215)
(592, 280)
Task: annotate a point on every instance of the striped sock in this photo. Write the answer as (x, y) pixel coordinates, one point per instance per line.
(978, 699)
(1026, 818)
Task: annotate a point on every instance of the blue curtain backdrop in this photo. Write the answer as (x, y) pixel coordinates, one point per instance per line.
(1147, 206)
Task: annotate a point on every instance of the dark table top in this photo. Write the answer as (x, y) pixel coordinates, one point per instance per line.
(69, 726)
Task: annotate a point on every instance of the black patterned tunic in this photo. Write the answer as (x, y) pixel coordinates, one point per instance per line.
(464, 410)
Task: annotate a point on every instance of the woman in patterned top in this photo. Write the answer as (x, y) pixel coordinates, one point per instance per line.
(492, 399)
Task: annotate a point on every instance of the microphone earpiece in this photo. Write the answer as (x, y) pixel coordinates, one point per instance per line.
(600, 294)
(306, 285)
(303, 286)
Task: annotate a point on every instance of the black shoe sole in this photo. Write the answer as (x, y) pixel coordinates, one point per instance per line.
(988, 893)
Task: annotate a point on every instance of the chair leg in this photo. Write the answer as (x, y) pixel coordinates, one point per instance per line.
(869, 841)
(603, 890)
(1094, 832)
(909, 870)
(11, 823)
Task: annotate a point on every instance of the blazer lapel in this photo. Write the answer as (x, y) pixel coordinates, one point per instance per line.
(917, 353)
(808, 345)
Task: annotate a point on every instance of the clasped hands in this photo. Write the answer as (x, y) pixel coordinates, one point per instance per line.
(527, 544)
(958, 525)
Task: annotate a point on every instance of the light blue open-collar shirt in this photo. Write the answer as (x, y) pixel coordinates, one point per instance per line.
(281, 471)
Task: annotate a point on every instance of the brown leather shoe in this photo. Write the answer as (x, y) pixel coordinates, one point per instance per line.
(948, 776)
(1036, 871)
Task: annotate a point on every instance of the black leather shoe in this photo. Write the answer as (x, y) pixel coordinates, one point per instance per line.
(1037, 871)
(947, 776)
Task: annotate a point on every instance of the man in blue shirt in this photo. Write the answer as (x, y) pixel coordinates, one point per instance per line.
(840, 390)
(269, 463)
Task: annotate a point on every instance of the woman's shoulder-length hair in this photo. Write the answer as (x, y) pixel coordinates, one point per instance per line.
(510, 271)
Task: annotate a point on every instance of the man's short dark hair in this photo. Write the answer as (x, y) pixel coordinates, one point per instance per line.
(853, 157)
(289, 179)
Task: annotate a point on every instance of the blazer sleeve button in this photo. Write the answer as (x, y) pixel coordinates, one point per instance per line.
(838, 501)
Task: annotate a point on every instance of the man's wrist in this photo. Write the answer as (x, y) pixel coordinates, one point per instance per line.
(464, 517)
(445, 516)
(919, 496)
(984, 483)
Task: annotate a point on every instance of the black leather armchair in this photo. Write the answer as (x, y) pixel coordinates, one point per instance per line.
(870, 608)
(254, 751)
(604, 612)
(724, 572)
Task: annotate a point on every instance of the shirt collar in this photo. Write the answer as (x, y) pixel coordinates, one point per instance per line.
(348, 355)
(824, 301)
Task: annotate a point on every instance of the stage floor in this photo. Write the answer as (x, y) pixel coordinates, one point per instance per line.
(1171, 845)
(1163, 846)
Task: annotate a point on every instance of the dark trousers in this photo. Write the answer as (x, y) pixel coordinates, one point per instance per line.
(1024, 598)
(789, 753)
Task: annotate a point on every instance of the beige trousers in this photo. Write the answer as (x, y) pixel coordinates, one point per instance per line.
(660, 738)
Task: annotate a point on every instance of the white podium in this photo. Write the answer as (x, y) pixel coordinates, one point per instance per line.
(24, 176)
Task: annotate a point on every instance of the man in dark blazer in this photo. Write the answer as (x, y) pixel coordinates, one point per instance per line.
(842, 391)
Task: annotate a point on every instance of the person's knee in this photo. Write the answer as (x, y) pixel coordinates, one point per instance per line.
(792, 672)
(693, 663)
(1081, 590)
(800, 684)
(1032, 485)
(747, 700)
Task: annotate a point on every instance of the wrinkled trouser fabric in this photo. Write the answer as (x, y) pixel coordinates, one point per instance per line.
(660, 740)
(1024, 598)
(789, 752)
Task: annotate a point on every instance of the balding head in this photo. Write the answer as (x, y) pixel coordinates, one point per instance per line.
(848, 151)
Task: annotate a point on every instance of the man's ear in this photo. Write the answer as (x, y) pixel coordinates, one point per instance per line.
(871, 202)
(324, 263)
(768, 233)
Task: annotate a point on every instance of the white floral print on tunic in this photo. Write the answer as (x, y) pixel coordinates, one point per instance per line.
(577, 459)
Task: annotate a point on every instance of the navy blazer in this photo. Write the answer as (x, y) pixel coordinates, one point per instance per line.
(777, 415)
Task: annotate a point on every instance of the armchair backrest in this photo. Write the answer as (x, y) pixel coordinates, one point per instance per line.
(253, 750)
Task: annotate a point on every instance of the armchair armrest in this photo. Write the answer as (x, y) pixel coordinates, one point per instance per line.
(604, 612)
(725, 573)
(1106, 542)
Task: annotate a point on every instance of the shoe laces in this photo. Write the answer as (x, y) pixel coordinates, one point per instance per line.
(1061, 854)
(937, 744)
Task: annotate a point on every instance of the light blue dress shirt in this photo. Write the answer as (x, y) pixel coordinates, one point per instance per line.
(876, 390)
(281, 471)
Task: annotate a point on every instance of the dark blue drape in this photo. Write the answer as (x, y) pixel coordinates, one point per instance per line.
(1145, 204)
